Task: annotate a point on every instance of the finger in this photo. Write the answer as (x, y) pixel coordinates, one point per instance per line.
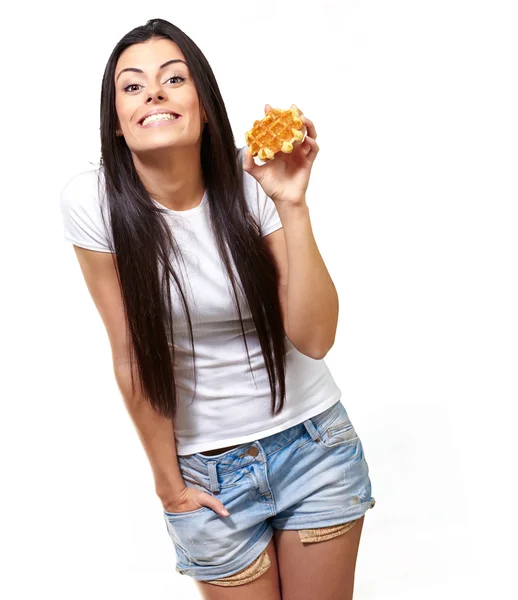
(267, 108)
(306, 148)
(312, 132)
(211, 502)
(314, 148)
(248, 163)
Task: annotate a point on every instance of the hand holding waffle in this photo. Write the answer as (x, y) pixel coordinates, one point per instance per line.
(279, 140)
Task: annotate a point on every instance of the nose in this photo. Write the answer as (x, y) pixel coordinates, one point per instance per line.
(158, 97)
(155, 90)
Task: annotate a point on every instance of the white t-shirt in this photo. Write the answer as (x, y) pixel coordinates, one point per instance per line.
(231, 406)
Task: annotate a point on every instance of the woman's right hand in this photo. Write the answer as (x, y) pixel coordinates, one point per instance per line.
(192, 499)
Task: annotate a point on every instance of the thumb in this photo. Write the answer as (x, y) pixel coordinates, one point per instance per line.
(248, 163)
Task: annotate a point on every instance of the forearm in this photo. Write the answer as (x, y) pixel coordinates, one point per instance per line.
(156, 434)
(312, 300)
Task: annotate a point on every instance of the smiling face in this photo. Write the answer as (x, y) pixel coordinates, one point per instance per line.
(153, 84)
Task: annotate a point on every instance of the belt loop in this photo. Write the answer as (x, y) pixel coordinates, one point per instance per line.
(308, 424)
(213, 477)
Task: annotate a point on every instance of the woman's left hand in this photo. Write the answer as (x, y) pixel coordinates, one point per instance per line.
(285, 178)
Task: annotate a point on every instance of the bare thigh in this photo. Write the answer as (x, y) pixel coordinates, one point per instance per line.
(323, 570)
(265, 587)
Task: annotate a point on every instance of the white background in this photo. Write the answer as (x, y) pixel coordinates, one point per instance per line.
(413, 201)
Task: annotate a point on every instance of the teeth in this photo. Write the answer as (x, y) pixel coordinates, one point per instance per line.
(159, 117)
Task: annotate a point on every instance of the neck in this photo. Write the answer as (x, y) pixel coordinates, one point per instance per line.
(174, 179)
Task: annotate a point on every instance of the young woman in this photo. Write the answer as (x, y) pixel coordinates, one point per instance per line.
(219, 311)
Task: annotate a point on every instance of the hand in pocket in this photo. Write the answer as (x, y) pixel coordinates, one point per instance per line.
(190, 499)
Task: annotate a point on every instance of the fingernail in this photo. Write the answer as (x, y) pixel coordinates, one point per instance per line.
(226, 513)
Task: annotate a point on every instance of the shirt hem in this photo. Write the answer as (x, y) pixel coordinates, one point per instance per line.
(187, 450)
(271, 229)
(87, 246)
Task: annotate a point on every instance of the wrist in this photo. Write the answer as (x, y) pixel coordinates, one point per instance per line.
(293, 212)
(170, 494)
(296, 204)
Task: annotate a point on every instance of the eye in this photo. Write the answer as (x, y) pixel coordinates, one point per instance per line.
(130, 85)
(179, 77)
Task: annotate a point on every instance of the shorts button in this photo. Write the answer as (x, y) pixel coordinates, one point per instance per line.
(253, 451)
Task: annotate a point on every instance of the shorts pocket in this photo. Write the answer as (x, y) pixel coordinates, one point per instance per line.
(341, 435)
(187, 512)
(194, 479)
(190, 483)
(335, 428)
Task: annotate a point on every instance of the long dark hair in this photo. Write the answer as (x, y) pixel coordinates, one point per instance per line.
(142, 240)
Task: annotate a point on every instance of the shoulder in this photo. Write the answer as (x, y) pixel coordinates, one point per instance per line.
(84, 188)
(85, 211)
(85, 194)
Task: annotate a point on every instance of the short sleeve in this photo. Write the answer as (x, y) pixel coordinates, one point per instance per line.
(269, 217)
(260, 204)
(82, 213)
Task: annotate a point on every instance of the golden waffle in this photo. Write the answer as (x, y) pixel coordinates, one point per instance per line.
(276, 132)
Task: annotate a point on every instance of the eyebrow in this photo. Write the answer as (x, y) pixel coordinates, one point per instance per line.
(135, 70)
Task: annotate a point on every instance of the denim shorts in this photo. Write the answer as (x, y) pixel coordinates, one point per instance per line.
(311, 475)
